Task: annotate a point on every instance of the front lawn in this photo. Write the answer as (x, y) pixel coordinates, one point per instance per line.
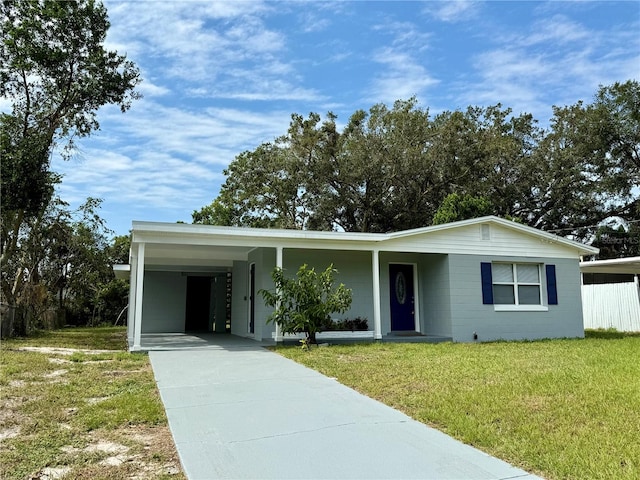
(563, 409)
(75, 404)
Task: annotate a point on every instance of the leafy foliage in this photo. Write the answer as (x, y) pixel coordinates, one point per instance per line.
(61, 272)
(57, 74)
(461, 207)
(305, 303)
(397, 168)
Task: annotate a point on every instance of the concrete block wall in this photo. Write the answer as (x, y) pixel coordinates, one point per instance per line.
(469, 315)
(164, 302)
(354, 270)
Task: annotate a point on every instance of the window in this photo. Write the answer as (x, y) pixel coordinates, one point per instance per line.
(516, 284)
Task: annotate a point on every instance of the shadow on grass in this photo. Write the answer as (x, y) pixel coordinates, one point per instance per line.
(609, 334)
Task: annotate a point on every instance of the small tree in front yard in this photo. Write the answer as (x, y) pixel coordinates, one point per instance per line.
(305, 303)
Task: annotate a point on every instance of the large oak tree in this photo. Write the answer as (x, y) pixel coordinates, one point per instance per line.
(394, 168)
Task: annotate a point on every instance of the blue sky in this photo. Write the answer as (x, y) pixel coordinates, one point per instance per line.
(221, 78)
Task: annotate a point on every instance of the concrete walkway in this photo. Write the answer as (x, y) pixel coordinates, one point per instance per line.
(239, 411)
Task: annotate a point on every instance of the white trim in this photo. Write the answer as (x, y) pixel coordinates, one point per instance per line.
(122, 271)
(614, 265)
(330, 335)
(515, 283)
(520, 308)
(187, 234)
(137, 319)
(133, 260)
(375, 270)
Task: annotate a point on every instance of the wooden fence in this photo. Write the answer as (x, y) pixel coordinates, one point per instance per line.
(612, 305)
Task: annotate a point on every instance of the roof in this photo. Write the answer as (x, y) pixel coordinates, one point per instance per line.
(210, 247)
(614, 265)
(141, 229)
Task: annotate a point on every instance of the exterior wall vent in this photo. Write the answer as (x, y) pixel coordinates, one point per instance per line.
(485, 231)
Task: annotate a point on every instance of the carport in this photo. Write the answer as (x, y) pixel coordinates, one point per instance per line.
(189, 287)
(201, 278)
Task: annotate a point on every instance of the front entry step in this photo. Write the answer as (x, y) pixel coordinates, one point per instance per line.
(414, 337)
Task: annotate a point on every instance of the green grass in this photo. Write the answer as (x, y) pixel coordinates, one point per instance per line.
(563, 409)
(58, 410)
(94, 338)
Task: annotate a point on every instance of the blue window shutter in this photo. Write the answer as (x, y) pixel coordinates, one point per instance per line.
(552, 289)
(487, 283)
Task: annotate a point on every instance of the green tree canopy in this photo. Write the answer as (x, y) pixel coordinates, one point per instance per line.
(462, 207)
(57, 74)
(397, 168)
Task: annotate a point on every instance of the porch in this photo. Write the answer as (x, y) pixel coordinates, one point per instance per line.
(227, 341)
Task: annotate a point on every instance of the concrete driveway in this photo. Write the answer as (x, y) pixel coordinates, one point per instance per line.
(239, 411)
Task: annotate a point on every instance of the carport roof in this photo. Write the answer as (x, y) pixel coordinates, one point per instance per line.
(615, 265)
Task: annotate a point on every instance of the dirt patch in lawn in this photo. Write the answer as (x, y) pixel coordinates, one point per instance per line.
(64, 415)
(61, 350)
(133, 452)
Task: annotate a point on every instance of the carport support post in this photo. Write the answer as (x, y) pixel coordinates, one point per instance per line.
(279, 338)
(375, 262)
(137, 316)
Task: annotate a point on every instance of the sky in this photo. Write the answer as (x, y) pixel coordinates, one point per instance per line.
(220, 78)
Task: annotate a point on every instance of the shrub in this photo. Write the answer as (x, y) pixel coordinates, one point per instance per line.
(305, 303)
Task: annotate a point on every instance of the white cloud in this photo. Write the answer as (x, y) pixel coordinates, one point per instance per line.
(452, 11)
(150, 89)
(402, 74)
(558, 29)
(165, 159)
(312, 22)
(401, 77)
(405, 35)
(556, 61)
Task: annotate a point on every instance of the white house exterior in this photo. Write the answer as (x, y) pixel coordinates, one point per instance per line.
(481, 279)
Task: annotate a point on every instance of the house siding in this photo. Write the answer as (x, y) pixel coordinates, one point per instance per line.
(354, 270)
(264, 259)
(239, 298)
(470, 316)
(436, 292)
(468, 240)
(432, 291)
(164, 302)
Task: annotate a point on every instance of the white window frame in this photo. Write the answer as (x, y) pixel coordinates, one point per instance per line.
(540, 307)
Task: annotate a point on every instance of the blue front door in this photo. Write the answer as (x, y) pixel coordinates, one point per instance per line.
(402, 297)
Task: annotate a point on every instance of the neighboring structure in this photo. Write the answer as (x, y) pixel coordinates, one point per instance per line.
(611, 294)
(480, 279)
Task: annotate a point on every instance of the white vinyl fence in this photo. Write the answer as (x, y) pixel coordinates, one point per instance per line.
(612, 305)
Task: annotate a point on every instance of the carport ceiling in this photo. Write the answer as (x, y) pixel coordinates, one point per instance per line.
(193, 255)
